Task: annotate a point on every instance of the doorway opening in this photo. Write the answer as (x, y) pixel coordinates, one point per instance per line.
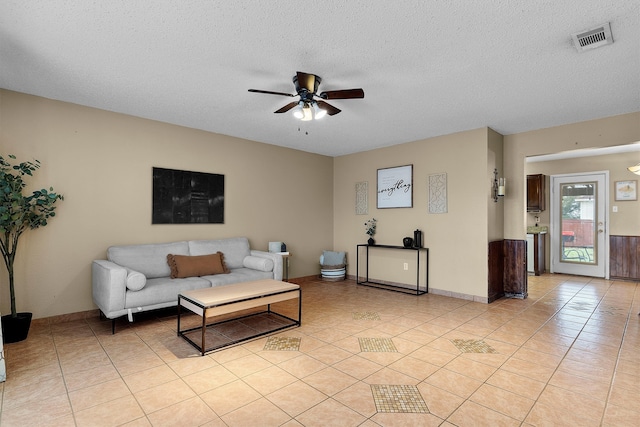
(579, 224)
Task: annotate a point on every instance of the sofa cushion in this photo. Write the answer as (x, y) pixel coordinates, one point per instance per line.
(235, 249)
(150, 260)
(200, 265)
(258, 263)
(163, 290)
(238, 275)
(135, 280)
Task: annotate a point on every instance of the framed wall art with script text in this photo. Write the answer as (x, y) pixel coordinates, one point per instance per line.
(395, 187)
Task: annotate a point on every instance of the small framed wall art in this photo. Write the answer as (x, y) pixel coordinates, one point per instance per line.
(395, 187)
(627, 190)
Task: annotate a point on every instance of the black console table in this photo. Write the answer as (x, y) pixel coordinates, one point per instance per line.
(418, 290)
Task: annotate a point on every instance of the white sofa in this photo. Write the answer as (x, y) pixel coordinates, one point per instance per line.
(136, 278)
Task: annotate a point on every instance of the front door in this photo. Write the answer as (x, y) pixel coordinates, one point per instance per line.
(579, 224)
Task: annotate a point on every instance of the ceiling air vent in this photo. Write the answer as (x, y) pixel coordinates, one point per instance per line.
(593, 38)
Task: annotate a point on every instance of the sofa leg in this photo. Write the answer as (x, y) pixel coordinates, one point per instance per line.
(113, 322)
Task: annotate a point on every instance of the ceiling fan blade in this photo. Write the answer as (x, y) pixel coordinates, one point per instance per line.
(330, 109)
(270, 92)
(342, 94)
(307, 81)
(286, 108)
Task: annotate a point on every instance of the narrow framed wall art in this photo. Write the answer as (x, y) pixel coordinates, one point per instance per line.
(437, 186)
(362, 198)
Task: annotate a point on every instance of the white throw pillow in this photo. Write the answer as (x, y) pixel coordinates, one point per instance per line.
(135, 280)
(258, 263)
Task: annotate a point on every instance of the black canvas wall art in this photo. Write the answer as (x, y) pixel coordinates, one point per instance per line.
(183, 197)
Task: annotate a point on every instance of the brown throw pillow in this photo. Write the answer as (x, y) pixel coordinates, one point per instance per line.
(202, 265)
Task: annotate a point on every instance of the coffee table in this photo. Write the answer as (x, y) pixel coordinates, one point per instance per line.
(228, 299)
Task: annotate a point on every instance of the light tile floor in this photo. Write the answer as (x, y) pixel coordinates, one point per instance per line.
(566, 355)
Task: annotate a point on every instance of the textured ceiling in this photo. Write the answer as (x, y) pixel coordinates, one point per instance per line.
(428, 68)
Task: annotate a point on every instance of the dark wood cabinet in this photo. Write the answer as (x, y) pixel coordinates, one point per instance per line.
(538, 253)
(535, 193)
(515, 268)
(624, 257)
(507, 269)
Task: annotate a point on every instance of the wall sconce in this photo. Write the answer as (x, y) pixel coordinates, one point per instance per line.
(635, 169)
(499, 185)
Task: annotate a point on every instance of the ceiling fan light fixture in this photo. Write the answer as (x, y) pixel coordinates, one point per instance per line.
(298, 113)
(307, 112)
(319, 112)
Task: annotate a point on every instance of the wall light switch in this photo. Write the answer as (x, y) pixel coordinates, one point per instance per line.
(406, 266)
(615, 209)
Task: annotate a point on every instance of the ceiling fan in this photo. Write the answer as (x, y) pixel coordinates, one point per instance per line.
(308, 108)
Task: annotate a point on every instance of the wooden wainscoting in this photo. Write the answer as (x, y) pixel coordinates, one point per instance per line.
(496, 270)
(624, 257)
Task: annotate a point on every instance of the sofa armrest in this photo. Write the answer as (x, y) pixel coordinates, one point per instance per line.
(109, 286)
(277, 262)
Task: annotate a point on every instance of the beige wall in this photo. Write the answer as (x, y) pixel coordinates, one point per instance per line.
(495, 210)
(457, 240)
(102, 163)
(606, 132)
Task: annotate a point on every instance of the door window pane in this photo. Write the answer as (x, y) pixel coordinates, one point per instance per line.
(578, 224)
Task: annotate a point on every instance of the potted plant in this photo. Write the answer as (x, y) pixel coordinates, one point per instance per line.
(18, 213)
(370, 228)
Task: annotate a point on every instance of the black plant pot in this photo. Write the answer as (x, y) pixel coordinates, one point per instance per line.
(371, 241)
(407, 242)
(15, 329)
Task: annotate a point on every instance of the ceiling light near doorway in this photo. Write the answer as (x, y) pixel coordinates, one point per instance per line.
(635, 169)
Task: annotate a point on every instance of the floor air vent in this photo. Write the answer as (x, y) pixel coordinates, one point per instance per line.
(593, 38)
